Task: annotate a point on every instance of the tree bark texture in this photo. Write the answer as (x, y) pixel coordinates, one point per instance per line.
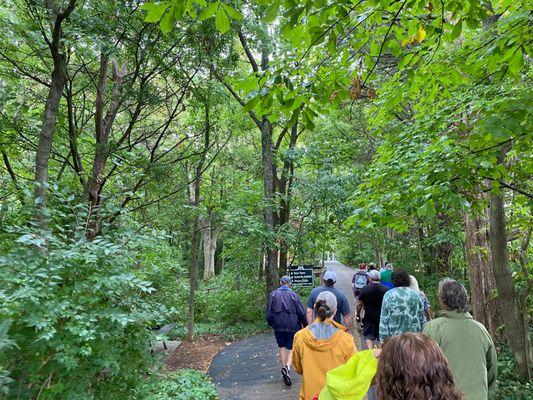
(485, 305)
(55, 91)
(514, 314)
(210, 238)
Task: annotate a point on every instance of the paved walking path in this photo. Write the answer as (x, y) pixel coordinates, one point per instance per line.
(250, 370)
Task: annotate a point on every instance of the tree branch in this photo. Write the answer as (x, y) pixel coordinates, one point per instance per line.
(13, 176)
(249, 54)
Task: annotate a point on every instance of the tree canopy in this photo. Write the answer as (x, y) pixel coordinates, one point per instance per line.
(168, 161)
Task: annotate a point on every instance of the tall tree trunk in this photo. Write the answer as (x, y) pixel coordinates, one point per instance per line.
(73, 135)
(193, 271)
(103, 125)
(514, 313)
(269, 212)
(484, 302)
(284, 184)
(194, 200)
(210, 237)
(51, 107)
(219, 258)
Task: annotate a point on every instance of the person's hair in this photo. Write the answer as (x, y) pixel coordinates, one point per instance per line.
(371, 266)
(362, 265)
(400, 278)
(329, 283)
(414, 284)
(322, 310)
(412, 366)
(453, 295)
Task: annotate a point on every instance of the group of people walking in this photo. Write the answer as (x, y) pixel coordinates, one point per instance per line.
(405, 355)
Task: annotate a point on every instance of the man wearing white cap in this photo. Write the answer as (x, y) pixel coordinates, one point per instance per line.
(343, 308)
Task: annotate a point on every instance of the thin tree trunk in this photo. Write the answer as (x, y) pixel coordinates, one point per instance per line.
(285, 191)
(103, 127)
(419, 247)
(514, 314)
(269, 213)
(219, 258)
(195, 241)
(193, 271)
(73, 135)
(51, 107)
(18, 189)
(484, 302)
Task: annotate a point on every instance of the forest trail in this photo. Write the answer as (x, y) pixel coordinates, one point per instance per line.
(249, 369)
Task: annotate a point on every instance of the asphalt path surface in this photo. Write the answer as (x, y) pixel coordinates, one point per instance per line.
(250, 369)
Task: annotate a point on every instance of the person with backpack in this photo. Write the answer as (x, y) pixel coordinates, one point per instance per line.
(359, 280)
(286, 314)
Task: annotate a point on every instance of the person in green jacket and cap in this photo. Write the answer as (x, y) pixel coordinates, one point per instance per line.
(465, 342)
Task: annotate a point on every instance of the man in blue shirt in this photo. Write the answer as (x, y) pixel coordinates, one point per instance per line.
(285, 313)
(343, 308)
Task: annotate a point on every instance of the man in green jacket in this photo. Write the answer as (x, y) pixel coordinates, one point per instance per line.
(465, 342)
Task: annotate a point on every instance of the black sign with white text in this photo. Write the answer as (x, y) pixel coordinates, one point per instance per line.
(302, 275)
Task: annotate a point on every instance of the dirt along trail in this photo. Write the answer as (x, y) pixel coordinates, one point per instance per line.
(250, 370)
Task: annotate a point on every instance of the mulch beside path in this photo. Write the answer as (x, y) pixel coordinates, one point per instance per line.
(196, 354)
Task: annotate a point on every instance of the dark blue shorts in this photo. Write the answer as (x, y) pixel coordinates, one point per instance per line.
(284, 339)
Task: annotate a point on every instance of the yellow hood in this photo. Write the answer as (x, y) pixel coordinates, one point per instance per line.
(323, 344)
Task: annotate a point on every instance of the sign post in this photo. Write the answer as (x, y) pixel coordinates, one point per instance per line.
(302, 275)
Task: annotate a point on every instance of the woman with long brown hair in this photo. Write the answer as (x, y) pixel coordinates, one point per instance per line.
(413, 367)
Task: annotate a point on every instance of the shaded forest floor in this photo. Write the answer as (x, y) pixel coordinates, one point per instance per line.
(197, 354)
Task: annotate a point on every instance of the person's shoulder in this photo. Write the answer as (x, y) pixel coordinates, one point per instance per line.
(388, 294)
(480, 328)
(382, 287)
(346, 338)
(436, 322)
(366, 289)
(316, 291)
(339, 293)
(433, 327)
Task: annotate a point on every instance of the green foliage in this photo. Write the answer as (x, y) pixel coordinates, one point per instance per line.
(182, 385)
(74, 317)
(510, 387)
(234, 297)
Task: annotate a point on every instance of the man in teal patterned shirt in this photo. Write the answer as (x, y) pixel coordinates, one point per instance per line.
(402, 309)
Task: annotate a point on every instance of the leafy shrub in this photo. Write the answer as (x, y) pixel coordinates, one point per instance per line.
(231, 332)
(186, 384)
(509, 385)
(75, 315)
(232, 297)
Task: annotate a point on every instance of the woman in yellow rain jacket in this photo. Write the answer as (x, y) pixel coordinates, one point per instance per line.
(320, 347)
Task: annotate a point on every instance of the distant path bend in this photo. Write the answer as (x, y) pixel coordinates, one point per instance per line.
(249, 369)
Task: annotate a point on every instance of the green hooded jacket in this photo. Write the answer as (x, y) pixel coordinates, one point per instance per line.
(469, 350)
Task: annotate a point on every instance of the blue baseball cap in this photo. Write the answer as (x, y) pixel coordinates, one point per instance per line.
(330, 275)
(285, 279)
